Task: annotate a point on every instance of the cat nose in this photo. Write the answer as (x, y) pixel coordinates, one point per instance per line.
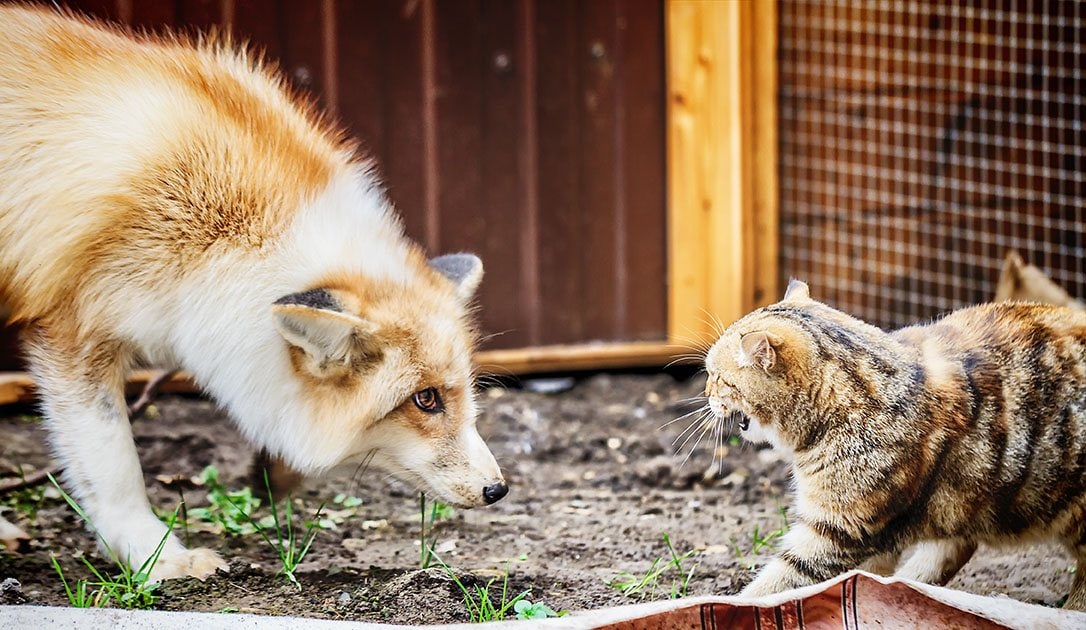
(495, 492)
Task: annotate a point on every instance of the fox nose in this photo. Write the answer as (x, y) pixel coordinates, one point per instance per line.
(494, 493)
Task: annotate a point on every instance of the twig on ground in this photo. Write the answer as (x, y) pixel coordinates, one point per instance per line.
(26, 481)
(147, 396)
(135, 410)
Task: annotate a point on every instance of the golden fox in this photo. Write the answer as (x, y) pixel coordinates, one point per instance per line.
(170, 202)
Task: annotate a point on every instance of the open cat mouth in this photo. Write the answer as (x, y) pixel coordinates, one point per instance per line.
(744, 422)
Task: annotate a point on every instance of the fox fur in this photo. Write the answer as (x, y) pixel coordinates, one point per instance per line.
(171, 202)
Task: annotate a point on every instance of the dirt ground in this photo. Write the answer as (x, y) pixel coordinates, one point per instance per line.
(595, 484)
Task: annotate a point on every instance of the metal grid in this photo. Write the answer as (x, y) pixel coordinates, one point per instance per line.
(923, 140)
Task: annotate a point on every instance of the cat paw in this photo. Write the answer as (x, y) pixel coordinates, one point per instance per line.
(197, 563)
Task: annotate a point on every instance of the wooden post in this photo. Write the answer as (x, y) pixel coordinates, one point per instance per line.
(722, 162)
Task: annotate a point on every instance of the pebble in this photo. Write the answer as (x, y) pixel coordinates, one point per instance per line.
(344, 598)
(10, 585)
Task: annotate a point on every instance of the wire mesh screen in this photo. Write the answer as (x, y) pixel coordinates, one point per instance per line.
(921, 141)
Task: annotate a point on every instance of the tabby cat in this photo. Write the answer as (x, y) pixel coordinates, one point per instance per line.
(969, 429)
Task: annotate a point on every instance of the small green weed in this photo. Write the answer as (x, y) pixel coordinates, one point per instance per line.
(760, 542)
(526, 609)
(28, 499)
(289, 548)
(228, 510)
(645, 585)
(80, 597)
(127, 589)
(477, 598)
(427, 538)
(333, 518)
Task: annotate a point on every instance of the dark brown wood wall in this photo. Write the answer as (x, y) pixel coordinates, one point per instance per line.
(528, 131)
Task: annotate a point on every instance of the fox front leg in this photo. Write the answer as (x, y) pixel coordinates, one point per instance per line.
(82, 391)
(808, 558)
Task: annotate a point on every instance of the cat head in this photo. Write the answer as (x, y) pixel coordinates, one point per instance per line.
(767, 368)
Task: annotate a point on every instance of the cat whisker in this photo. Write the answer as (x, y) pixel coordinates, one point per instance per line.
(704, 407)
(706, 427)
(701, 421)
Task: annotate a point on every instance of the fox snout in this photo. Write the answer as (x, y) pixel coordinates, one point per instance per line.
(476, 461)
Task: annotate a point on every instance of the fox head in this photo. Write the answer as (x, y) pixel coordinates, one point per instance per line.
(387, 366)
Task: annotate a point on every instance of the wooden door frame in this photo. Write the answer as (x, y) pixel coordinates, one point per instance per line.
(721, 81)
(722, 163)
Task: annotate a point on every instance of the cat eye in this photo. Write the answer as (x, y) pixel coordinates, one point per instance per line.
(428, 400)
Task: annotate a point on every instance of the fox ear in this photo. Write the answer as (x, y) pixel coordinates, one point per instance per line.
(463, 270)
(313, 321)
(797, 290)
(756, 349)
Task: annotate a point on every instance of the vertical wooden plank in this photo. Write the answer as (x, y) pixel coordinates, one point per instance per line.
(257, 22)
(640, 98)
(103, 9)
(711, 163)
(560, 235)
(199, 15)
(401, 91)
(359, 58)
(154, 15)
(528, 166)
(502, 72)
(458, 107)
(303, 54)
(763, 151)
(602, 210)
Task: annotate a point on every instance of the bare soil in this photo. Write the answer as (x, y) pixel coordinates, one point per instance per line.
(595, 484)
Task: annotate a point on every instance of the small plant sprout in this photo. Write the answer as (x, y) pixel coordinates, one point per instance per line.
(347, 507)
(80, 597)
(645, 585)
(477, 598)
(288, 547)
(346, 501)
(761, 542)
(227, 510)
(526, 609)
(28, 499)
(129, 588)
(427, 539)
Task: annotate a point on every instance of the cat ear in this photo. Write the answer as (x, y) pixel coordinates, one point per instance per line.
(797, 290)
(755, 349)
(463, 270)
(313, 321)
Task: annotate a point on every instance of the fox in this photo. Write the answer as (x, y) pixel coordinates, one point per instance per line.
(168, 200)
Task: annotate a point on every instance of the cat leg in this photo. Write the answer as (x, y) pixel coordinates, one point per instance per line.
(882, 564)
(82, 392)
(937, 561)
(807, 558)
(1077, 599)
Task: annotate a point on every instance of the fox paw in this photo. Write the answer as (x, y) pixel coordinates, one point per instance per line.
(197, 563)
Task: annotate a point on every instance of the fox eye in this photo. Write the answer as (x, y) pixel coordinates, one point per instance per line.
(428, 400)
